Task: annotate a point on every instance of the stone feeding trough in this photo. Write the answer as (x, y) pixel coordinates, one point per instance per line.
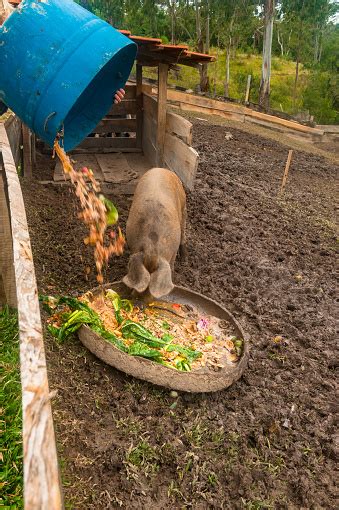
(202, 380)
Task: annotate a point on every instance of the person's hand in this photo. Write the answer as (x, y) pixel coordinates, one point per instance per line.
(119, 96)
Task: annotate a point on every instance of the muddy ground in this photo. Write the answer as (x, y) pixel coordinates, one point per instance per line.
(267, 442)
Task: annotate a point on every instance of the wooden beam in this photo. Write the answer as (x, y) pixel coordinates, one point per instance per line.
(126, 106)
(42, 488)
(27, 150)
(161, 114)
(104, 150)
(139, 104)
(108, 125)
(108, 143)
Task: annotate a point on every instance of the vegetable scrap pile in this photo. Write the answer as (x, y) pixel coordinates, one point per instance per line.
(97, 213)
(173, 335)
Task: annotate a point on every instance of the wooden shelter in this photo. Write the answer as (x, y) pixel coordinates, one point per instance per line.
(155, 137)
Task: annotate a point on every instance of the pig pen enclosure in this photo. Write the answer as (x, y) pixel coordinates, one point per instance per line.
(269, 441)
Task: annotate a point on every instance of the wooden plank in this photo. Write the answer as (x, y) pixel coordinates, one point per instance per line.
(126, 106)
(238, 117)
(114, 143)
(175, 124)
(161, 112)
(174, 95)
(218, 106)
(27, 152)
(139, 104)
(130, 91)
(181, 159)
(270, 119)
(7, 291)
(13, 127)
(151, 128)
(88, 160)
(149, 140)
(148, 88)
(115, 168)
(42, 488)
(109, 150)
(108, 125)
(150, 105)
(282, 129)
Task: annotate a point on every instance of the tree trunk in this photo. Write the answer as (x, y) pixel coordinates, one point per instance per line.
(228, 58)
(281, 43)
(316, 46)
(172, 22)
(204, 79)
(228, 55)
(264, 93)
(296, 82)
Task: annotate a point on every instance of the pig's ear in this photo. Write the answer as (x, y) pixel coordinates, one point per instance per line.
(138, 277)
(161, 280)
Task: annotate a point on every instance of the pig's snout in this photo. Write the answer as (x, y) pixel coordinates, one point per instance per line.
(159, 282)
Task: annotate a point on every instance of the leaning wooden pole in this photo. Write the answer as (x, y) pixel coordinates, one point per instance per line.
(287, 168)
(42, 487)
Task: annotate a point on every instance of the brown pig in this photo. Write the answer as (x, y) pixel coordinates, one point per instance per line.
(155, 231)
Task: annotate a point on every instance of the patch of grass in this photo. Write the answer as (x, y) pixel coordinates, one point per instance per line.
(257, 505)
(143, 457)
(212, 479)
(134, 387)
(266, 462)
(11, 455)
(200, 433)
(129, 427)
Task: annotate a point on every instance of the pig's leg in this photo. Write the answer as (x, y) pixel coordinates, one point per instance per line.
(172, 262)
(182, 247)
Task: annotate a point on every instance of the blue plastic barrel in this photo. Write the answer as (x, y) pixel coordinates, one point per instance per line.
(60, 67)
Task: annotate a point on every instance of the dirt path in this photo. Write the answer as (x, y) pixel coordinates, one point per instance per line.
(267, 442)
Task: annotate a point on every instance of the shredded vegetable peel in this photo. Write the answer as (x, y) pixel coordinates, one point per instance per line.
(184, 344)
(97, 212)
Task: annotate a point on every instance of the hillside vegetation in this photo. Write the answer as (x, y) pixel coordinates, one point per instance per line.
(282, 81)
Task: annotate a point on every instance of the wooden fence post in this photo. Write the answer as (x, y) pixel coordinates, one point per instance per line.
(161, 114)
(139, 105)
